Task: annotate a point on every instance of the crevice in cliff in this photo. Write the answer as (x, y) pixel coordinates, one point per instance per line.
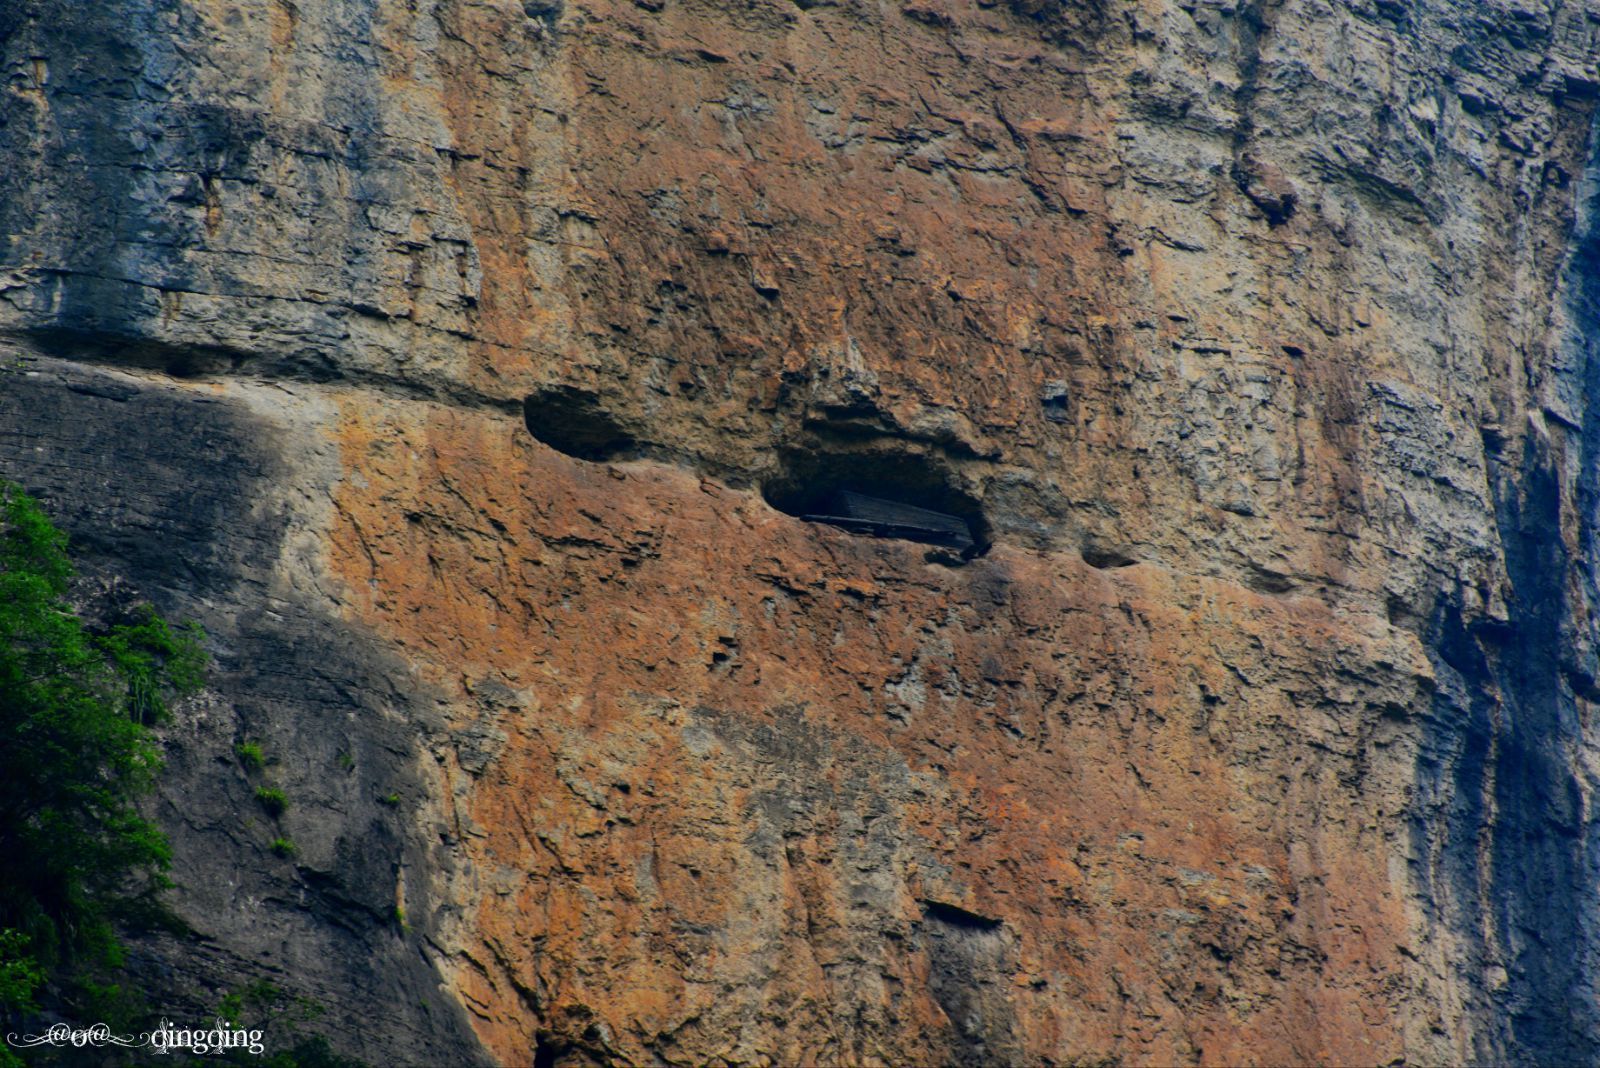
(1537, 861)
(155, 360)
(113, 348)
(1259, 180)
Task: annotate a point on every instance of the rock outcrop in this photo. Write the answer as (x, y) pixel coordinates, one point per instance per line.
(460, 364)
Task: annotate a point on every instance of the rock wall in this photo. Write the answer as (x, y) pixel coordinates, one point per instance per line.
(459, 364)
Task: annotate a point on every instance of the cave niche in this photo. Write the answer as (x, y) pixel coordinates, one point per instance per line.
(877, 491)
(572, 421)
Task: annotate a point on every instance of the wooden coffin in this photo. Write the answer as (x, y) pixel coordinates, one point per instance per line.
(882, 518)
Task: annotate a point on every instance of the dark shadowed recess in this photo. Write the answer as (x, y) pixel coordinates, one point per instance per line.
(810, 479)
(574, 422)
(116, 344)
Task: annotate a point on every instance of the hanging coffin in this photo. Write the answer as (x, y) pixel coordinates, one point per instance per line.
(881, 518)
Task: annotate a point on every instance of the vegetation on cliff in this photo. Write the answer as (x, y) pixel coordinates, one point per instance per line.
(76, 753)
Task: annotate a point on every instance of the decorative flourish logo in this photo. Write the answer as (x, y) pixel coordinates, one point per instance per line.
(163, 1040)
(61, 1035)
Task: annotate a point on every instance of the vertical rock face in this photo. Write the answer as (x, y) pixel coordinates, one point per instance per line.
(465, 366)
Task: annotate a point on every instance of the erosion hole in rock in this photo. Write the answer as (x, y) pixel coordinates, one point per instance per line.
(1106, 557)
(880, 493)
(133, 350)
(549, 1053)
(956, 916)
(573, 421)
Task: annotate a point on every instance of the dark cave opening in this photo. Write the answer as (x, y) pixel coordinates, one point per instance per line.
(879, 492)
(572, 421)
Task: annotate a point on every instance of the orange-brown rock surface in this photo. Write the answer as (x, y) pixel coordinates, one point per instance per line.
(461, 362)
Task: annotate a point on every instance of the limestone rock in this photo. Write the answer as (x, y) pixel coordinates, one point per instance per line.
(447, 360)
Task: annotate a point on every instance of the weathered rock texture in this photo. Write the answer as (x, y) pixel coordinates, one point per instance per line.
(455, 361)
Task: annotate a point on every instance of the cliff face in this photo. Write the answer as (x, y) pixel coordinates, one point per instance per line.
(459, 364)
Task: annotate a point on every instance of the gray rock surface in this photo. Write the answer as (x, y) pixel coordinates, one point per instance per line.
(199, 503)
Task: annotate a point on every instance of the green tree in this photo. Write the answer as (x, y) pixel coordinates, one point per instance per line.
(76, 754)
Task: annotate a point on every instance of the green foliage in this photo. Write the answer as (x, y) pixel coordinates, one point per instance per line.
(346, 761)
(400, 919)
(100, 997)
(274, 800)
(283, 847)
(250, 755)
(20, 974)
(255, 996)
(76, 754)
(153, 660)
(390, 799)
